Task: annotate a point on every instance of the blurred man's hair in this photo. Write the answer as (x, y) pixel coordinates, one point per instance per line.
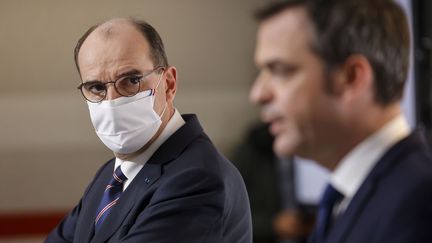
(376, 29)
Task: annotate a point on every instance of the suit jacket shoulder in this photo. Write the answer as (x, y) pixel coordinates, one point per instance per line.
(394, 204)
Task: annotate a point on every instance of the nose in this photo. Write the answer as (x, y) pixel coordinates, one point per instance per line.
(261, 92)
(111, 92)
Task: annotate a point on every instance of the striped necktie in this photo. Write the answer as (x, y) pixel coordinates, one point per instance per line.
(110, 197)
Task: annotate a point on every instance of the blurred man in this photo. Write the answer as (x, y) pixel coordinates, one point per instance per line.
(167, 182)
(331, 78)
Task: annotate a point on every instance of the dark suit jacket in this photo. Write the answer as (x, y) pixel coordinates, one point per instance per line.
(187, 192)
(394, 204)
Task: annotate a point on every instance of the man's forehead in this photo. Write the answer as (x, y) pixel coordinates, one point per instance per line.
(112, 49)
(119, 33)
(114, 28)
(282, 35)
(289, 21)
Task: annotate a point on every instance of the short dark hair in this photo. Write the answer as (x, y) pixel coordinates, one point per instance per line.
(157, 49)
(376, 29)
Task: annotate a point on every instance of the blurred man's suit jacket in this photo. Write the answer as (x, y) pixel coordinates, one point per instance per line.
(394, 203)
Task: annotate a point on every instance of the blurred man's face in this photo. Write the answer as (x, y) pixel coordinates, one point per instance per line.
(290, 86)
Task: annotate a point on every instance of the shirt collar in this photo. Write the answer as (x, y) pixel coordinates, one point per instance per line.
(131, 167)
(356, 165)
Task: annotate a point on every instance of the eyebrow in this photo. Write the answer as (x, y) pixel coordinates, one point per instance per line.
(275, 62)
(268, 62)
(121, 75)
(128, 73)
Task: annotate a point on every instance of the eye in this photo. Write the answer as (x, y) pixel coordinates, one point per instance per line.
(134, 80)
(94, 87)
(282, 70)
(129, 81)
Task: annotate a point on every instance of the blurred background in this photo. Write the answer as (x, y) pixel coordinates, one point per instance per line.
(48, 149)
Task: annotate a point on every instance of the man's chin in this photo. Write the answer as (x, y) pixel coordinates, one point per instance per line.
(283, 149)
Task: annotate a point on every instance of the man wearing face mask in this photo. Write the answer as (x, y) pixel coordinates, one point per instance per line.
(167, 182)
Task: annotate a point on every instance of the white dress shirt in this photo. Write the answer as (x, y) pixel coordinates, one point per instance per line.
(353, 169)
(130, 168)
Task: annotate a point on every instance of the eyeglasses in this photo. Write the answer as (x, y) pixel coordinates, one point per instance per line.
(96, 91)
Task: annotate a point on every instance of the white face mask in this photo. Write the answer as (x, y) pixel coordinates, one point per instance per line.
(126, 124)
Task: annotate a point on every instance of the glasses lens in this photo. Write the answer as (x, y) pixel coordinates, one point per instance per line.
(93, 91)
(128, 86)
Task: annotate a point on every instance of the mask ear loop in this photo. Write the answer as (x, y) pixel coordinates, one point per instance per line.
(163, 111)
(153, 93)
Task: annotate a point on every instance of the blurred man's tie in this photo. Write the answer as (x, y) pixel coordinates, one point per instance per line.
(325, 211)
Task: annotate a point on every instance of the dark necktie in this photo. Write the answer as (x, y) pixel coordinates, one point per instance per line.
(110, 197)
(324, 220)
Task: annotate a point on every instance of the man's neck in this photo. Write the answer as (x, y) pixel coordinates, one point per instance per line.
(357, 131)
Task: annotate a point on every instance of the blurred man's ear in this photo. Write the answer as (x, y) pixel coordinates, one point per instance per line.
(353, 78)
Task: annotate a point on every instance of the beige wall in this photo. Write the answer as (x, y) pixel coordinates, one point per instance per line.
(48, 150)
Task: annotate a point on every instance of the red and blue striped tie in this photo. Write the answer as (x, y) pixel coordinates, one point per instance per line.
(110, 197)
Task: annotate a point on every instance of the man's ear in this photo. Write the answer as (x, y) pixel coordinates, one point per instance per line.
(354, 78)
(171, 83)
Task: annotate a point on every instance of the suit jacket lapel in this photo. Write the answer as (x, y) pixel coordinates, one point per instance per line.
(345, 222)
(177, 143)
(145, 178)
(149, 174)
